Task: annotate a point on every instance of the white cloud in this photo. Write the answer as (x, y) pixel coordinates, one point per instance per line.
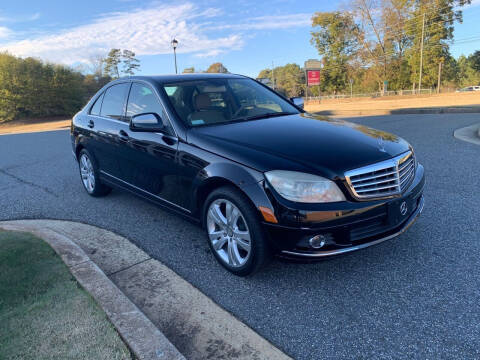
(4, 32)
(33, 17)
(280, 21)
(209, 53)
(270, 22)
(145, 31)
(20, 18)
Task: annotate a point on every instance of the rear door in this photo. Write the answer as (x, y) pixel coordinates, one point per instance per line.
(105, 120)
(149, 160)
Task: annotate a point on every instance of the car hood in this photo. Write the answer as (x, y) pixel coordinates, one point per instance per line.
(301, 142)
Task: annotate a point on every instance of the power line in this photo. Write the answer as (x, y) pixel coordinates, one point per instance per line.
(426, 25)
(412, 23)
(393, 34)
(460, 41)
(411, 36)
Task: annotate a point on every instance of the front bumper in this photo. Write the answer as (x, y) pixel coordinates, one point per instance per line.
(348, 226)
(372, 241)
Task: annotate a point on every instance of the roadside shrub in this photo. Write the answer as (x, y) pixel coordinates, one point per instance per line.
(32, 88)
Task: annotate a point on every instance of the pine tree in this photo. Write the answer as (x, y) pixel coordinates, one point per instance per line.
(130, 63)
(111, 63)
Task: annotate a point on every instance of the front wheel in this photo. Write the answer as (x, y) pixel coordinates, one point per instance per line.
(89, 175)
(234, 232)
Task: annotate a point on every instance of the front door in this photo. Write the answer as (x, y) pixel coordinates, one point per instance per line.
(148, 162)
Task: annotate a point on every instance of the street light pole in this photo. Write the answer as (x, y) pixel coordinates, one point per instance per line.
(174, 45)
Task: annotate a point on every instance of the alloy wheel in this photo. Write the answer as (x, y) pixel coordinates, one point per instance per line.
(228, 232)
(87, 173)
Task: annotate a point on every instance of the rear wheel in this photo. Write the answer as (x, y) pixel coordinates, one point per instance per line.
(234, 232)
(89, 175)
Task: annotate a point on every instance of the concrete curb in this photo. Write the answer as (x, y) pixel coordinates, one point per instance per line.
(140, 334)
(191, 321)
(469, 134)
(413, 111)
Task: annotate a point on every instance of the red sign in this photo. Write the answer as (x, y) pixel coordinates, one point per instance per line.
(313, 77)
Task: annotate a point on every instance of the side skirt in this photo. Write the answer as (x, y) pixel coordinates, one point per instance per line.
(123, 185)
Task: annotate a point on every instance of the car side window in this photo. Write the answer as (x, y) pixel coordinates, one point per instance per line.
(248, 97)
(113, 105)
(95, 110)
(143, 100)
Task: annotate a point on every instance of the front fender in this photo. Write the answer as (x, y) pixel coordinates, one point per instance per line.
(247, 180)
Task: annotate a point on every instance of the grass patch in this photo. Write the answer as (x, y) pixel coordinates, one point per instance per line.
(44, 313)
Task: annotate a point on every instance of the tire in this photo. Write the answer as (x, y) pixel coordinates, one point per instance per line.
(229, 242)
(89, 175)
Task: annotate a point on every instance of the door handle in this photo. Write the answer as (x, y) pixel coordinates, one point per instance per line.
(123, 135)
(90, 124)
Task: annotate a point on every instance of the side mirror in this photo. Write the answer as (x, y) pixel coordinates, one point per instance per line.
(297, 101)
(150, 122)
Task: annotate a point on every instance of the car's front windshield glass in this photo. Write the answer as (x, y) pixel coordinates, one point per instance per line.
(217, 101)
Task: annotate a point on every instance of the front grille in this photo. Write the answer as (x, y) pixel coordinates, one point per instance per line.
(383, 179)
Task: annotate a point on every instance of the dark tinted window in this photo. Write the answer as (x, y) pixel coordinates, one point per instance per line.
(97, 106)
(143, 100)
(114, 101)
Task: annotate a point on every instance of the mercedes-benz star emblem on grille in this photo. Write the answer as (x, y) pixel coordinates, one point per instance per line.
(403, 208)
(381, 144)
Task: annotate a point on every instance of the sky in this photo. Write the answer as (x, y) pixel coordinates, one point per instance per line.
(245, 35)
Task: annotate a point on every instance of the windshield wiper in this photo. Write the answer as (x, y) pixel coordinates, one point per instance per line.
(264, 116)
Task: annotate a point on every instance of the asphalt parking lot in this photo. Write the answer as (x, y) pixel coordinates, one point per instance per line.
(416, 296)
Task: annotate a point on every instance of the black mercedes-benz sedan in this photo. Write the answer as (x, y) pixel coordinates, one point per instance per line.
(260, 175)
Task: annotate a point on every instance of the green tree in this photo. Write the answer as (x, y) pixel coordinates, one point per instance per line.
(474, 60)
(289, 79)
(467, 74)
(92, 83)
(32, 88)
(130, 63)
(440, 17)
(335, 36)
(120, 62)
(383, 39)
(112, 62)
(217, 68)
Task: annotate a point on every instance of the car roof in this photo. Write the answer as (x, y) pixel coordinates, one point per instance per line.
(160, 79)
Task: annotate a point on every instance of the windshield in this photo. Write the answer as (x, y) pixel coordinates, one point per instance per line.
(215, 101)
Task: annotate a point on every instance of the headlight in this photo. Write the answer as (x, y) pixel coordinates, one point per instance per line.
(304, 188)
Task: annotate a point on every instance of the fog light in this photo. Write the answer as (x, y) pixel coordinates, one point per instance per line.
(318, 241)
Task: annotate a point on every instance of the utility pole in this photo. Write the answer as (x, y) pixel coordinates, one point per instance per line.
(439, 76)
(306, 85)
(421, 55)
